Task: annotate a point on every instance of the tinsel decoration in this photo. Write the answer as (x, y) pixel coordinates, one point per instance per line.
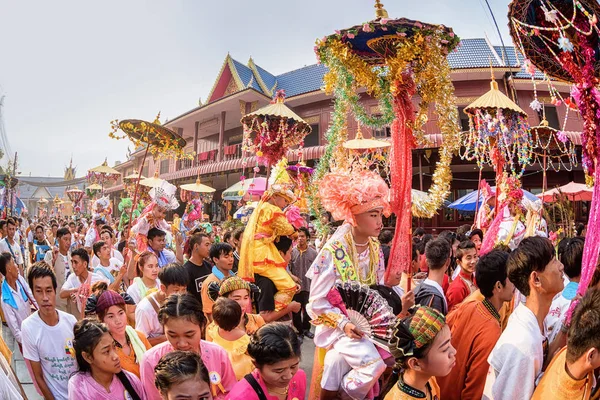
(561, 38)
(387, 58)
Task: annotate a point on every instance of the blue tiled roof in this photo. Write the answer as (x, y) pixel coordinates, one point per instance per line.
(246, 75)
(303, 80)
(472, 53)
(268, 78)
(511, 56)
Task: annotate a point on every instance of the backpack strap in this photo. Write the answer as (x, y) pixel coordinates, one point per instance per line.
(256, 386)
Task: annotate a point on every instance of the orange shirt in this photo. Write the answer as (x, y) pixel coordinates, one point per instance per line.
(475, 331)
(396, 394)
(556, 383)
(128, 362)
(207, 302)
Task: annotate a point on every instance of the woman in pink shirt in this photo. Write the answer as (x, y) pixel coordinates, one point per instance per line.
(182, 375)
(275, 350)
(183, 322)
(100, 375)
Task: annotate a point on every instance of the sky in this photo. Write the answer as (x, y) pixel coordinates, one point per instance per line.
(69, 67)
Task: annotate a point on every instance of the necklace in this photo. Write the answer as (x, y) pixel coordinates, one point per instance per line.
(370, 278)
(284, 392)
(362, 244)
(411, 391)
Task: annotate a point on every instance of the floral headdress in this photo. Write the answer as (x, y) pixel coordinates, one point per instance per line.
(280, 182)
(164, 196)
(101, 208)
(348, 193)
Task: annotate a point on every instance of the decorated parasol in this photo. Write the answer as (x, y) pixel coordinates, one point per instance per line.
(102, 173)
(272, 130)
(561, 38)
(92, 190)
(157, 139)
(75, 195)
(204, 192)
(393, 59)
(153, 182)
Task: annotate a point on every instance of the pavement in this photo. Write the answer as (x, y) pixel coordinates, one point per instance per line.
(18, 364)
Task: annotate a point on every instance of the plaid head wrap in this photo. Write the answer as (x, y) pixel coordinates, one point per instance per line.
(416, 331)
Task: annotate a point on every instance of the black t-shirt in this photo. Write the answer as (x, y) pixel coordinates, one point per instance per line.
(266, 298)
(197, 274)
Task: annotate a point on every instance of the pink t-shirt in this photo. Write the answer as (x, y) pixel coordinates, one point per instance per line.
(243, 390)
(83, 387)
(215, 358)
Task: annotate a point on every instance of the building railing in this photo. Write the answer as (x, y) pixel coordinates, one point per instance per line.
(232, 152)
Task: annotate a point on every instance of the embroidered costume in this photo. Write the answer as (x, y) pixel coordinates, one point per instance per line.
(267, 223)
(163, 199)
(352, 365)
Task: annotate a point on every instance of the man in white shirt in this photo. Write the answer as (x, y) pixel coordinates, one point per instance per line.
(517, 358)
(72, 288)
(107, 236)
(48, 337)
(10, 245)
(173, 279)
(60, 261)
(17, 298)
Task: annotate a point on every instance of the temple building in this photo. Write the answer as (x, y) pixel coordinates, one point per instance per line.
(214, 132)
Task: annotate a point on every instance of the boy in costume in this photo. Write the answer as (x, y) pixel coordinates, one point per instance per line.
(153, 216)
(352, 254)
(267, 223)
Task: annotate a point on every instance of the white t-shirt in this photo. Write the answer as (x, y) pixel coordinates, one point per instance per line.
(113, 268)
(146, 319)
(73, 282)
(134, 289)
(15, 247)
(516, 359)
(114, 253)
(52, 347)
(15, 317)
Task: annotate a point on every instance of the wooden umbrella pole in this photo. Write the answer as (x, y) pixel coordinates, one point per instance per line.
(478, 194)
(137, 186)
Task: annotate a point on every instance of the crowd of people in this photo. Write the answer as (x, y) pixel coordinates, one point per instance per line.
(101, 314)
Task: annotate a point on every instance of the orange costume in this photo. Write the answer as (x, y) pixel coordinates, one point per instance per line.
(475, 328)
(557, 384)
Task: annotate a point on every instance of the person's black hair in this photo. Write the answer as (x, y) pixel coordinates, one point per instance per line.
(283, 244)
(463, 229)
(476, 232)
(38, 226)
(87, 333)
(99, 222)
(178, 366)
(237, 234)
(273, 343)
(71, 223)
(437, 253)
(11, 221)
(428, 237)
(54, 224)
(533, 254)
(402, 338)
(585, 324)
(62, 232)
(97, 247)
(41, 270)
(226, 313)
(448, 236)
(110, 232)
(155, 232)
(386, 236)
(419, 232)
(491, 268)
(305, 230)
(570, 254)
(5, 258)
(182, 305)
(81, 253)
(463, 247)
(173, 274)
(195, 239)
(219, 249)
(2, 223)
(227, 236)
(579, 229)
(415, 254)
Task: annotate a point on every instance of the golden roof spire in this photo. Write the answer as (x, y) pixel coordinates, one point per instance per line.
(380, 12)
